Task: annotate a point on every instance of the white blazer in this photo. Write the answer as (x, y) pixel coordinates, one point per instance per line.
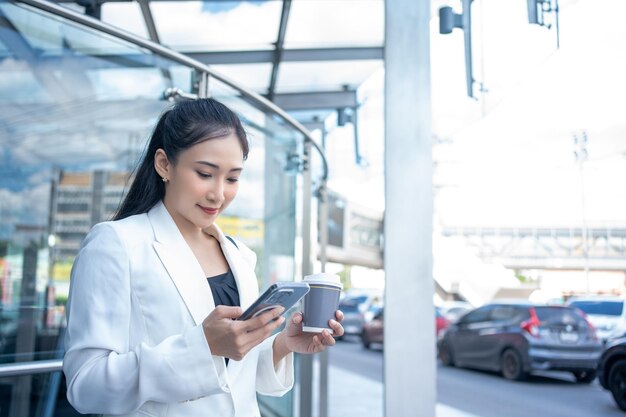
(134, 342)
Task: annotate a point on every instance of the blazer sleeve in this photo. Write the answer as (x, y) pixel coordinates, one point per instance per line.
(273, 380)
(106, 375)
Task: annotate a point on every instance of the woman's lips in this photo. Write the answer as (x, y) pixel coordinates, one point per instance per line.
(210, 211)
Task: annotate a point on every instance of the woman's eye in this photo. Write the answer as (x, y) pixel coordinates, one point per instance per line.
(203, 175)
(233, 180)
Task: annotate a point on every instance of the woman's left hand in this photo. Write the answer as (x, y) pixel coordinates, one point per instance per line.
(293, 339)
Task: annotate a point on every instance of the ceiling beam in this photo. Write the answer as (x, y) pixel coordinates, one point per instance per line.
(144, 5)
(289, 55)
(278, 50)
(148, 19)
(316, 100)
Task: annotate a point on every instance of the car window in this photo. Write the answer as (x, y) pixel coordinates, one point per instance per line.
(481, 314)
(607, 308)
(558, 315)
(499, 313)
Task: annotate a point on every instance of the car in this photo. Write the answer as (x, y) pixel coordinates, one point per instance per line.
(606, 314)
(612, 370)
(454, 310)
(373, 329)
(518, 338)
(354, 307)
(441, 322)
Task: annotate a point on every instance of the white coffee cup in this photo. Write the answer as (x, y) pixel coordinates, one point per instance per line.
(321, 302)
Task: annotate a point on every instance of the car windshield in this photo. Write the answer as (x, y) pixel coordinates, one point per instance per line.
(351, 304)
(606, 308)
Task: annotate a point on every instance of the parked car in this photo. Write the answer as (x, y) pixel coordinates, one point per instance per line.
(518, 338)
(612, 370)
(355, 306)
(454, 310)
(373, 329)
(606, 314)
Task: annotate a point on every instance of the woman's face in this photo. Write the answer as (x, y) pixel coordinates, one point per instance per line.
(203, 182)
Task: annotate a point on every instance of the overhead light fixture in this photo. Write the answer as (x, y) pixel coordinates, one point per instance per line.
(448, 20)
(537, 10)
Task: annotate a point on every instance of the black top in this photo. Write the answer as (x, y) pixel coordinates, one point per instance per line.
(224, 290)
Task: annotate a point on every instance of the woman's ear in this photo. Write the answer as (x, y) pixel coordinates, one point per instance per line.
(162, 164)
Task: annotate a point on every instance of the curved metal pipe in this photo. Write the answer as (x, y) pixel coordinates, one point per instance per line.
(182, 59)
(30, 368)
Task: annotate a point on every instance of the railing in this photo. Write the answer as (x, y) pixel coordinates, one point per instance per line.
(30, 368)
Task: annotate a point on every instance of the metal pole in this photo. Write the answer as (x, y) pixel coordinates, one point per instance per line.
(306, 361)
(581, 156)
(323, 241)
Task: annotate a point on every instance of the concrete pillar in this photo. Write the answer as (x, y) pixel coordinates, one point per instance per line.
(410, 372)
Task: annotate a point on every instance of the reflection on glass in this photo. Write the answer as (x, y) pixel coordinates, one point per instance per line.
(74, 120)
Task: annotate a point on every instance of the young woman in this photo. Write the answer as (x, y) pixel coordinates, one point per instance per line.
(154, 293)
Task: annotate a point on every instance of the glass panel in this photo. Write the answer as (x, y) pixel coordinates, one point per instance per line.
(325, 24)
(324, 76)
(127, 16)
(254, 76)
(217, 25)
(40, 395)
(73, 121)
(264, 213)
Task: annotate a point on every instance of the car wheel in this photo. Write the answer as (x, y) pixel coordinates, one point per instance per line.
(445, 355)
(617, 383)
(365, 340)
(585, 377)
(512, 366)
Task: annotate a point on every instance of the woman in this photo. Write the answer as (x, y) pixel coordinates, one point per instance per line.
(147, 334)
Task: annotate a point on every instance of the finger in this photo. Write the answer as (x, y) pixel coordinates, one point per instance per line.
(339, 315)
(327, 338)
(227, 312)
(337, 327)
(317, 344)
(297, 318)
(265, 326)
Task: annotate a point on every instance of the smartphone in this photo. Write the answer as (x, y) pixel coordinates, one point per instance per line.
(285, 294)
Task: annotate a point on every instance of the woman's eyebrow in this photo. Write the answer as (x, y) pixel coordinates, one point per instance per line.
(212, 165)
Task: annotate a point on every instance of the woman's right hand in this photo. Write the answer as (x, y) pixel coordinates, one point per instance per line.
(232, 338)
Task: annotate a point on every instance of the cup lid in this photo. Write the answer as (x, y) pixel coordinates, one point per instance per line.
(324, 278)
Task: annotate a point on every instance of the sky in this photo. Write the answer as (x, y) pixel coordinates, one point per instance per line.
(507, 158)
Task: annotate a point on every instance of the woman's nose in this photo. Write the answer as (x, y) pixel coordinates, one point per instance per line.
(216, 192)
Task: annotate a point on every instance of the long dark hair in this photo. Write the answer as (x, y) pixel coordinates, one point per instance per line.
(179, 128)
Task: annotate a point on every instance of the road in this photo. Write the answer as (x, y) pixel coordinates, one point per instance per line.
(485, 394)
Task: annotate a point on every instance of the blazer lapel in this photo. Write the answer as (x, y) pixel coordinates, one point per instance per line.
(244, 273)
(181, 264)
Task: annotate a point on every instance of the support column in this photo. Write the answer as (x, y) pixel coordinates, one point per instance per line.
(409, 352)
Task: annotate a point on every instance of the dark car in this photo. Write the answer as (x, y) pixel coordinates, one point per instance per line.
(355, 307)
(612, 370)
(373, 328)
(518, 338)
